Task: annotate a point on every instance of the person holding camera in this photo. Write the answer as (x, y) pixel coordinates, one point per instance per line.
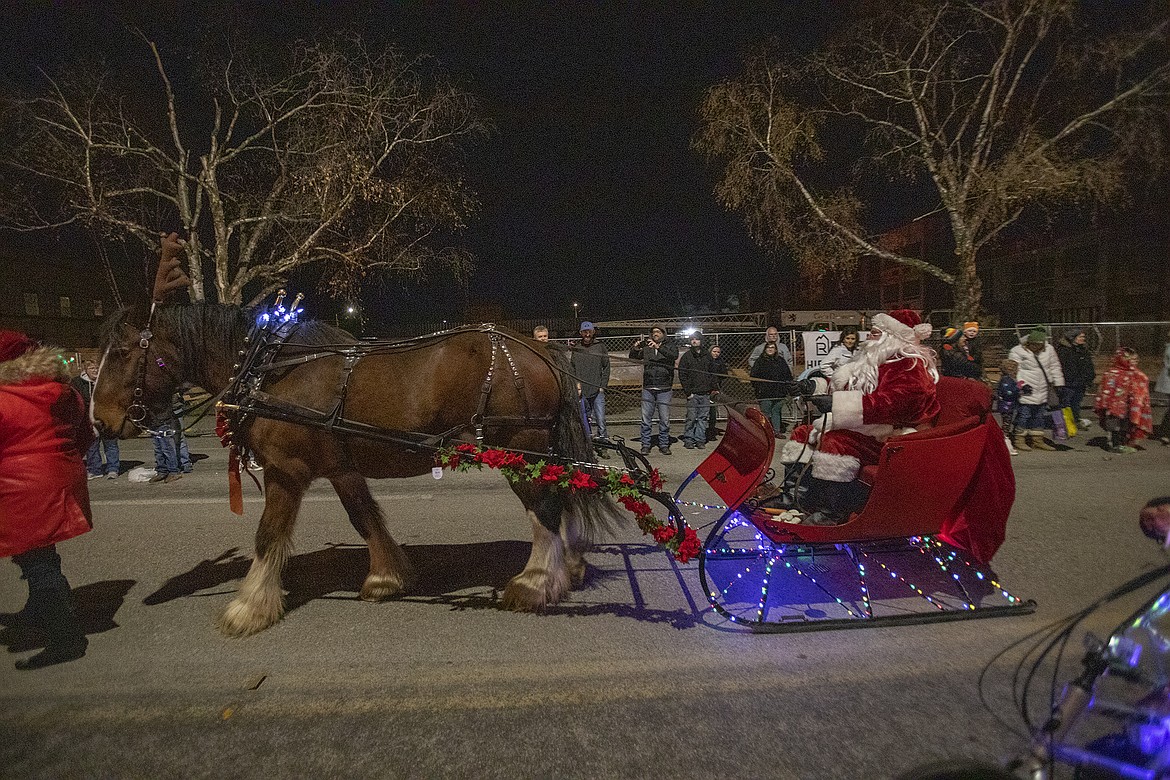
(658, 359)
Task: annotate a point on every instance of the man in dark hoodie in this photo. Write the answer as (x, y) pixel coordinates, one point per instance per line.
(658, 359)
(698, 380)
(1076, 363)
(590, 362)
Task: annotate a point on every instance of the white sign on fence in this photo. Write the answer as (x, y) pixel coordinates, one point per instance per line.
(817, 344)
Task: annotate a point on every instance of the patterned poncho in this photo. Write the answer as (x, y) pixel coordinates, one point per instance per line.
(1125, 393)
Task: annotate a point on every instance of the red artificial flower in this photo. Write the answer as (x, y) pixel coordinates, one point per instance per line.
(627, 480)
(492, 458)
(552, 473)
(513, 460)
(468, 449)
(655, 480)
(579, 480)
(662, 534)
(639, 507)
(689, 547)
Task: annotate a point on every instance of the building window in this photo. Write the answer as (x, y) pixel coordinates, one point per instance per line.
(66, 308)
(97, 309)
(32, 306)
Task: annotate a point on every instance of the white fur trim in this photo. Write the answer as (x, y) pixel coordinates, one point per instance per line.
(880, 431)
(42, 362)
(847, 409)
(887, 324)
(795, 452)
(835, 468)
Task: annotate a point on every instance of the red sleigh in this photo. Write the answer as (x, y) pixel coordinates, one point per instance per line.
(918, 550)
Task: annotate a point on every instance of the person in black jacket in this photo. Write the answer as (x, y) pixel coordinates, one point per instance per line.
(695, 376)
(1079, 372)
(719, 377)
(770, 376)
(658, 358)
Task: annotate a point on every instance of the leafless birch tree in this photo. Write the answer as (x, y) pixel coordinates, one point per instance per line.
(998, 107)
(340, 158)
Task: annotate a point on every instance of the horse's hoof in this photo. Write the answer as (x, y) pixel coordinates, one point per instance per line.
(240, 619)
(522, 598)
(379, 587)
(533, 591)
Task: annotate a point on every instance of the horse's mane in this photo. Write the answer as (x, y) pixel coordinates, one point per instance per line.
(198, 329)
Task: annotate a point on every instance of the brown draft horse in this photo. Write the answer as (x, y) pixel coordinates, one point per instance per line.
(431, 387)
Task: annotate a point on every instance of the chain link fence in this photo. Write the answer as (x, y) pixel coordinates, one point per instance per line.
(623, 397)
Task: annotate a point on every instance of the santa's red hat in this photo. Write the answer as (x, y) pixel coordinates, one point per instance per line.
(13, 345)
(904, 324)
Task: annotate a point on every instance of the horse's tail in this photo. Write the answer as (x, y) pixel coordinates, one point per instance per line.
(595, 514)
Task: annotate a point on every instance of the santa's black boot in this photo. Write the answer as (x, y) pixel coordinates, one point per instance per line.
(833, 502)
(65, 638)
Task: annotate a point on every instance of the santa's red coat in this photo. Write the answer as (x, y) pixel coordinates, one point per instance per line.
(44, 429)
(904, 398)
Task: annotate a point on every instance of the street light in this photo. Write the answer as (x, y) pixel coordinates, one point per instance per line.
(575, 307)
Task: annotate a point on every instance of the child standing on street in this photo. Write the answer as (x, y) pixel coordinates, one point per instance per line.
(1123, 405)
(1007, 397)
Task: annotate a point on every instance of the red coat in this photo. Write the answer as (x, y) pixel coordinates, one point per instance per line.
(44, 431)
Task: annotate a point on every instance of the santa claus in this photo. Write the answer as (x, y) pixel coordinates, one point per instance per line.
(887, 389)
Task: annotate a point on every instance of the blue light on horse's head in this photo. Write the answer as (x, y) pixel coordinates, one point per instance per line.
(262, 319)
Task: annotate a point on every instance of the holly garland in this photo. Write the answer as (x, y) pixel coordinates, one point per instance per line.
(628, 491)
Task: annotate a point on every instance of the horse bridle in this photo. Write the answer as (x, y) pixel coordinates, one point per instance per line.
(136, 412)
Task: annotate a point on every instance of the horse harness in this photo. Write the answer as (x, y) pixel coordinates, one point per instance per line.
(261, 358)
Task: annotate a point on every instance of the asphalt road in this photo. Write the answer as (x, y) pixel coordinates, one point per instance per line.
(632, 677)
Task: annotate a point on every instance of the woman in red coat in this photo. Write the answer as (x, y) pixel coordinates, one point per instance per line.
(44, 429)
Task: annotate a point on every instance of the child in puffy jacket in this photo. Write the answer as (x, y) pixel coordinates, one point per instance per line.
(1007, 398)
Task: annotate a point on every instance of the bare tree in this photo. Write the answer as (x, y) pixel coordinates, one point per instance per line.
(341, 158)
(993, 107)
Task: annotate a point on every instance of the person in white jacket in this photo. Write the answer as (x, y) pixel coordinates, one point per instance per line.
(841, 353)
(1040, 373)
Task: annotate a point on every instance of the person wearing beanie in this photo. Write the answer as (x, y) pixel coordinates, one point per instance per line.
(1076, 362)
(962, 355)
(1041, 381)
(697, 378)
(886, 390)
(44, 498)
(590, 365)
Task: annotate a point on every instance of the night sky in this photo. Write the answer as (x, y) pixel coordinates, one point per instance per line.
(589, 189)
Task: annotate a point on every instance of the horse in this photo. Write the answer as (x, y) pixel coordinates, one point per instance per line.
(438, 386)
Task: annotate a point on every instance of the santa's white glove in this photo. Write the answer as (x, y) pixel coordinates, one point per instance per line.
(820, 425)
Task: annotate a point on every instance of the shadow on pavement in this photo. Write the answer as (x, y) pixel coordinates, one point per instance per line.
(445, 572)
(96, 605)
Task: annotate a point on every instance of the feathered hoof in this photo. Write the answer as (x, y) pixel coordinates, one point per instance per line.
(241, 619)
(532, 591)
(576, 573)
(379, 587)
